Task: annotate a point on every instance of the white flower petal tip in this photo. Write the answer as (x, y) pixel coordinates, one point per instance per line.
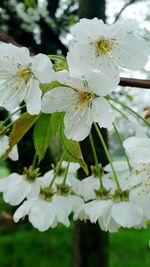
(127, 214)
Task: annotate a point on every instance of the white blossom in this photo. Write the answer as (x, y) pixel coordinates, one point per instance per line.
(16, 187)
(138, 149)
(111, 215)
(85, 188)
(106, 48)
(21, 75)
(45, 213)
(40, 213)
(83, 101)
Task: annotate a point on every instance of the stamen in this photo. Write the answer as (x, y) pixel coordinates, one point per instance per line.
(24, 73)
(104, 46)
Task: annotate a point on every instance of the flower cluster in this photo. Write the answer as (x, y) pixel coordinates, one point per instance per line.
(71, 100)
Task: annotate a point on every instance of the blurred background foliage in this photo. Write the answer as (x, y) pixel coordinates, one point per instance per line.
(43, 26)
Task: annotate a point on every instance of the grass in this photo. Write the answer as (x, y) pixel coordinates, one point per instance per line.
(129, 248)
(26, 247)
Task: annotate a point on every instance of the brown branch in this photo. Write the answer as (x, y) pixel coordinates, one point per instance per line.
(135, 82)
(123, 8)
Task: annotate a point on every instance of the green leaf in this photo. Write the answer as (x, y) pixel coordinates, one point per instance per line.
(47, 87)
(44, 131)
(73, 149)
(55, 121)
(60, 63)
(20, 128)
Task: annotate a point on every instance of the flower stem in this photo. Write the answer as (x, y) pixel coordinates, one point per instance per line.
(13, 113)
(121, 143)
(34, 162)
(131, 110)
(95, 159)
(66, 172)
(119, 111)
(108, 155)
(57, 169)
(6, 128)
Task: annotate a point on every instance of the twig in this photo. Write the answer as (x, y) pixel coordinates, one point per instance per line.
(135, 82)
(123, 8)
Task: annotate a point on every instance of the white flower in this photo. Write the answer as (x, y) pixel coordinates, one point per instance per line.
(40, 213)
(82, 100)
(86, 187)
(16, 187)
(4, 145)
(123, 175)
(138, 149)
(20, 76)
(44, 213)
(105, 48)
(111, 216)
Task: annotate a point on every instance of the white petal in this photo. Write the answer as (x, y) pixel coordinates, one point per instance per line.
(6, 182)
(33, 99)
(138, 149)
(80, 59)
(59, 99)
(87, 30)
(4, 144)
(118, 165)
(129, 55)
(42, 68)
(105, 64)
(45, 180)
(78, 124)
(106, 221)
(88, 187)
(42, 215)
(13, 99)
(15, 54)
(75, 202)
(141, 196)
(127, 214)
(64, 77)
(23, 210)
(102, 113)
(17, 191)
(95, 209)
(62, 209)
(100, 84)
(13, 154)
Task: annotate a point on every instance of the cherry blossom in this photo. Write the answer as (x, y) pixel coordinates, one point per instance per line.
(21, 75)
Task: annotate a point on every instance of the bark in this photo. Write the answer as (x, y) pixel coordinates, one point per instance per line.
(90, 243)
(92, 8)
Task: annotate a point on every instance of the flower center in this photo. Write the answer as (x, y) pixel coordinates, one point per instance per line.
(85, 97)
(24, 73)
(22, 76)
(103, 46)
